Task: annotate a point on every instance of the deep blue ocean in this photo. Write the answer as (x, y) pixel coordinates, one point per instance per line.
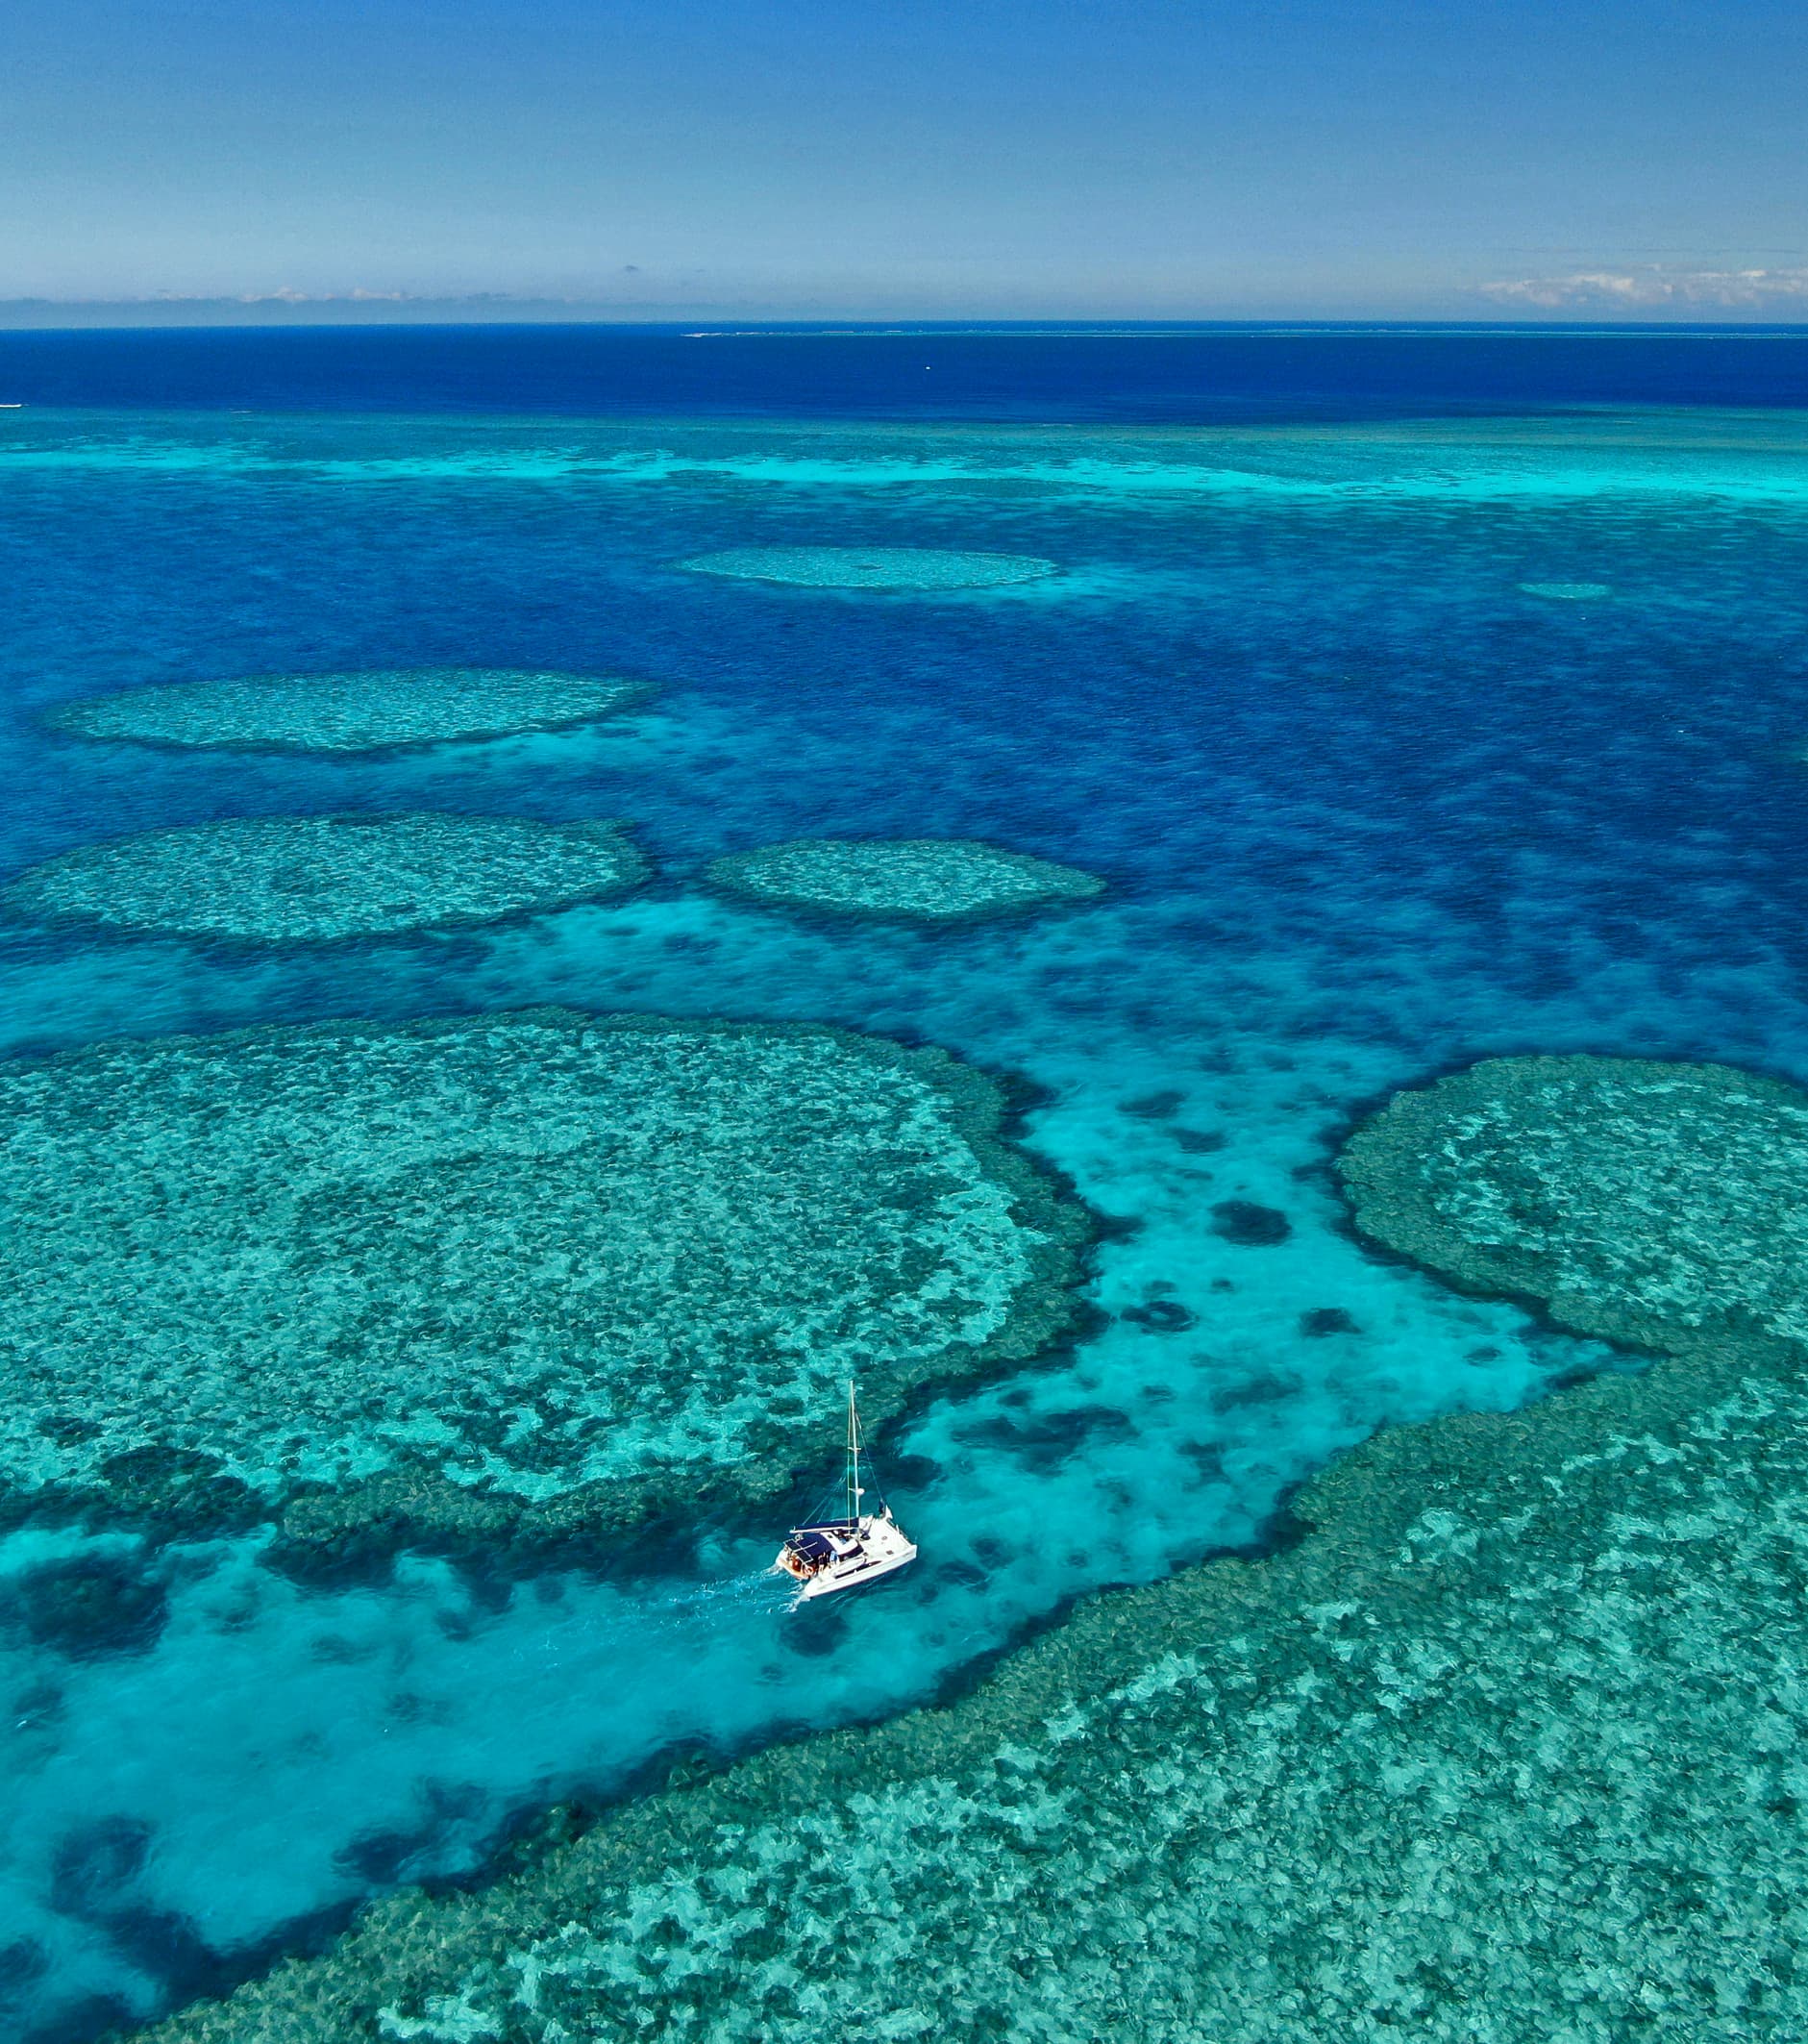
(1135, 374)
(1369, 805)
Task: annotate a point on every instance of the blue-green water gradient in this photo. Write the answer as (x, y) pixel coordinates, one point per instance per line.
(1368, 809)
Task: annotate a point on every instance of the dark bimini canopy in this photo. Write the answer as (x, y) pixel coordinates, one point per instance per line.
(812, 1542)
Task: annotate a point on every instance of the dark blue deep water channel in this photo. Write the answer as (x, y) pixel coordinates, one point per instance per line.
(1421, 695)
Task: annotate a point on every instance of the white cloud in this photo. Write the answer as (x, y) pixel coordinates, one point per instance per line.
(1653, 288)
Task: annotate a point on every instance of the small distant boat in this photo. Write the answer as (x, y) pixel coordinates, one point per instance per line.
(839, 1552)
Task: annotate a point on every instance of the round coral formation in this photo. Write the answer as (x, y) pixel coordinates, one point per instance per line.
(872, 568)
(320, 878)
(934, 880)
(1641, 1202)
(545, 1258)
(381, 709)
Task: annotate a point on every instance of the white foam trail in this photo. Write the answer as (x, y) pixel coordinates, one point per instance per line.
(727, 1596)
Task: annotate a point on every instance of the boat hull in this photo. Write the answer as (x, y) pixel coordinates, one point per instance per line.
(849, 1576)
(881, 1550)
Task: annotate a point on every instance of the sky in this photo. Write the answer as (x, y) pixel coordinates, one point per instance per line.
(825, 159)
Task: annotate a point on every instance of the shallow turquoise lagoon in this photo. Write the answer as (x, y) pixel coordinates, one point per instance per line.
(1369, 805)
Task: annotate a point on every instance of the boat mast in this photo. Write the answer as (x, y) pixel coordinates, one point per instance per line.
(854, 1490)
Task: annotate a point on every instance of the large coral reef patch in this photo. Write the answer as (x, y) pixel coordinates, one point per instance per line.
(457, 1274)
(1506, 1749)
(1647, 1203)
(374, 710)
(301, 880)
(928, 880)
(872, 568)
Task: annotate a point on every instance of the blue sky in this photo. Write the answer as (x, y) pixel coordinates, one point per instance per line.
(1128, 158)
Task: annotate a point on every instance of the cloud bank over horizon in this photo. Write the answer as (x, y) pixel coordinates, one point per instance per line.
(1637, 294)
(1653, 289)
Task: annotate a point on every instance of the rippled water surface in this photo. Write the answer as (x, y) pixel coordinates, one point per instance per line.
(1398, 741)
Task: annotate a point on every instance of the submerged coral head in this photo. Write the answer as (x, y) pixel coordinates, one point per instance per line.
(377, 709)
(933, 879)
(318, 879)
(882, 568)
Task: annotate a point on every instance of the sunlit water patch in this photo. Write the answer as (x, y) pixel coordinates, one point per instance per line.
(1655, 454)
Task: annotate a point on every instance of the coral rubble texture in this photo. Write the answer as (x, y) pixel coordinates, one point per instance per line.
(541, 1255)
(1644, 1203)
(872, 568)
(933, 879)
(381, 709)
(1506, 1747)
(313, 879)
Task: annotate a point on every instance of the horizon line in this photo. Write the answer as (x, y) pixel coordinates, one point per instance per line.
(387, 314)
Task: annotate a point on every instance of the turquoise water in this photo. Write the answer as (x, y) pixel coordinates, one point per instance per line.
(1367, 806)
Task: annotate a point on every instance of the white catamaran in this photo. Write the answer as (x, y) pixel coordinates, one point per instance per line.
(830, 1554)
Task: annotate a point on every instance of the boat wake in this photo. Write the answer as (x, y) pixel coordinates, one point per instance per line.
(686, 1603)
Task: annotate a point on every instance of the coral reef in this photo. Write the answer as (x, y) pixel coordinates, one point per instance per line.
(1249, 1225)
(1161, 1316)
(1504, 1749)
(87, 1605)
(381, 709)
(445, 1275)
(872, 568)
(317, 879)
(1568, 591)
(1644, 1203)
(933, 880)
(1199, 1142)
(1162, 1105)
(1319, 1323)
